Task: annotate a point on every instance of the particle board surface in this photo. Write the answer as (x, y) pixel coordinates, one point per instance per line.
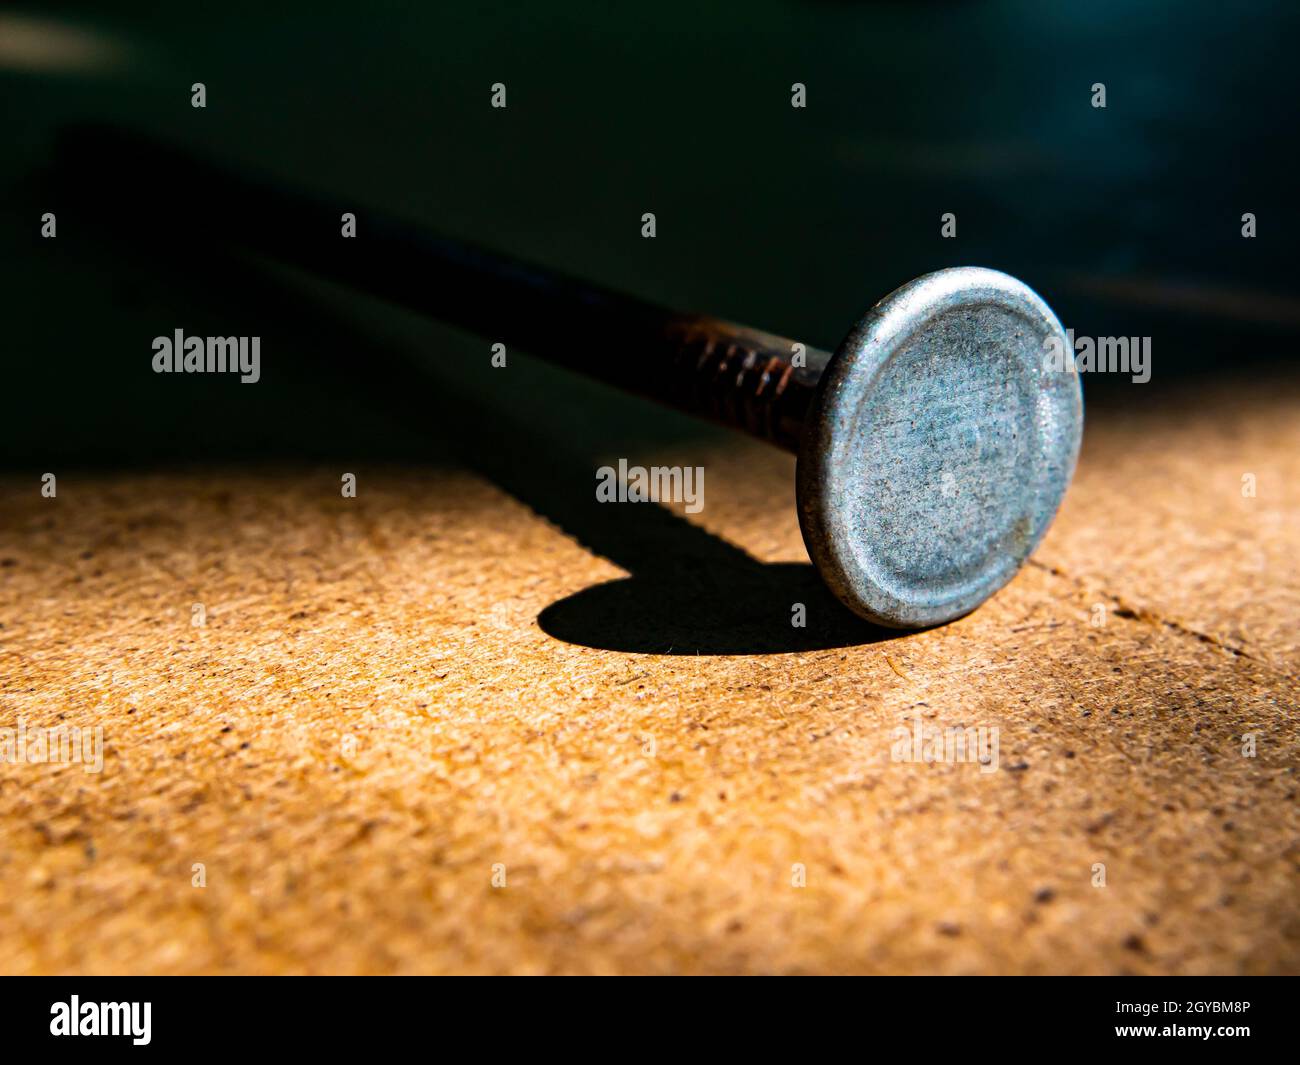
(398, 699)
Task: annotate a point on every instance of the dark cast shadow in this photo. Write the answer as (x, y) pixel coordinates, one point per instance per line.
(685, 610)
(537, 433)
(688, 591)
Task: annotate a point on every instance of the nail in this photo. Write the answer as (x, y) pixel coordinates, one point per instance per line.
(934, 445)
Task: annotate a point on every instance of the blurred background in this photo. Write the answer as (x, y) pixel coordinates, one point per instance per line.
(1127, 219)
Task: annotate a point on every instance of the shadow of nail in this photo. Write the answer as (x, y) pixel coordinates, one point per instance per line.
(697, 611)
(689, 591)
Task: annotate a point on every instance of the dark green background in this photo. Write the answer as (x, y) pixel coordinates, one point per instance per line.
(1126, 219)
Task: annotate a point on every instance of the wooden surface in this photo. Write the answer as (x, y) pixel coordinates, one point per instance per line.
(392, 694)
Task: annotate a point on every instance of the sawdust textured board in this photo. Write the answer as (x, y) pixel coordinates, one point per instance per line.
(399, 698)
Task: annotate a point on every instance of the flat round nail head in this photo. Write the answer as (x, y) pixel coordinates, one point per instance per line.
(938, 448)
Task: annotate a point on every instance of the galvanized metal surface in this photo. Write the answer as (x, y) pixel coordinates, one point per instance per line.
(938, 448)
